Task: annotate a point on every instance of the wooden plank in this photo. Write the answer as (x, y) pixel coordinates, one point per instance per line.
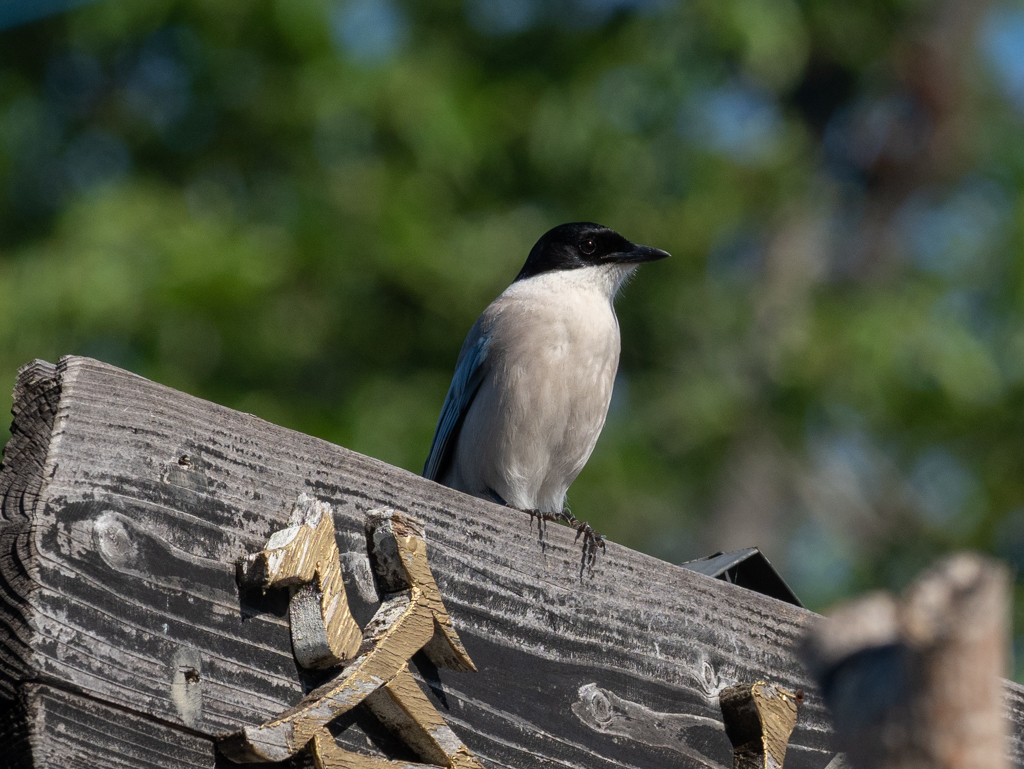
(127, 506)
(51, 727)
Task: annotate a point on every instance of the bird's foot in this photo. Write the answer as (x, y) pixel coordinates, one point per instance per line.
(542, 519)
(542, 526)
(566, 517)
(592, 540)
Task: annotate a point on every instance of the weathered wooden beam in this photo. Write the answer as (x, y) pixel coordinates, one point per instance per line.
(127, 507)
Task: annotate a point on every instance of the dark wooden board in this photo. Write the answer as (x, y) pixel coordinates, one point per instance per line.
(117, 573)
(59, 728)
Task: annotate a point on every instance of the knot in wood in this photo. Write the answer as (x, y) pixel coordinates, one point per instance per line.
(112, 539)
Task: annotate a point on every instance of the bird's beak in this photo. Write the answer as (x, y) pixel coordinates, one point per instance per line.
(638, 255)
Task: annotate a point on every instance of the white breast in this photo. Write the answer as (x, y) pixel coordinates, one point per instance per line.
(553, 356)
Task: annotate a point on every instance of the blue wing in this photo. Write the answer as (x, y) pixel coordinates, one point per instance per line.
(469, 373)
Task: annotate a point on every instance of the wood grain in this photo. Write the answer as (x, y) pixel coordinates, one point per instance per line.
(59, 728)
(127, 506)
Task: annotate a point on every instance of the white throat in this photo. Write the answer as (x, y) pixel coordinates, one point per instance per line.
(604, 279)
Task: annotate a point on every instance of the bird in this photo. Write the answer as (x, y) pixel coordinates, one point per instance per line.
(534, 377)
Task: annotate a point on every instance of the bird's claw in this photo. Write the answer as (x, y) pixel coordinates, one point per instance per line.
(566, 517)
(592, 540)
(541, 519)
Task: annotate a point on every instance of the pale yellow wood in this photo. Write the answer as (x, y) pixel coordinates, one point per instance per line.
(759, 719)
(411, 617)
(306, 552)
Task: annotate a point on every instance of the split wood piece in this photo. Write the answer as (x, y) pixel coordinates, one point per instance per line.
(411, 618)
(304, 557)
(403, 706)
(914, 682)
(759, 719)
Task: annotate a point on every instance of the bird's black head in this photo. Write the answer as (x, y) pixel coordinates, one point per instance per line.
(583, 244)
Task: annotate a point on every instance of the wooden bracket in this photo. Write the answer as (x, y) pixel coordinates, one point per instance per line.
(304, 557)
(759, 719)
(411, 618)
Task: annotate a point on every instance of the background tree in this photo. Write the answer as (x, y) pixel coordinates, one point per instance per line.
(297, 208)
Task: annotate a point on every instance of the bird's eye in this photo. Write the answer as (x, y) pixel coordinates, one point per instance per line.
(588, 247)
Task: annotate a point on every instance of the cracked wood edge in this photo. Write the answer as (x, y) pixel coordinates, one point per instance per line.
(22, 484)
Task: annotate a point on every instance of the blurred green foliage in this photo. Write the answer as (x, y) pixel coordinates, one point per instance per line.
(298, 208)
